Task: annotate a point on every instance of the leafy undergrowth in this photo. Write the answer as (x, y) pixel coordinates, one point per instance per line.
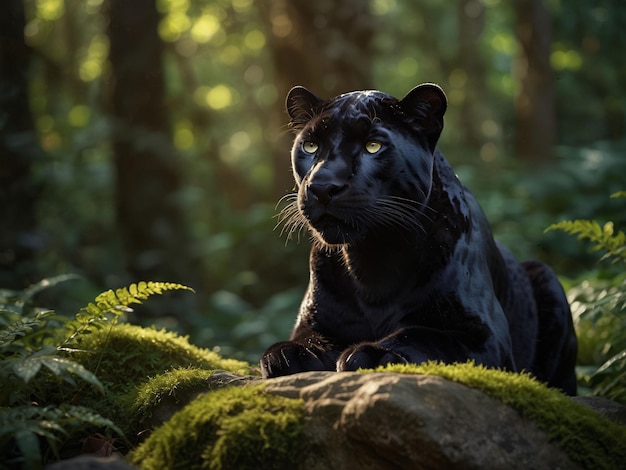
(599, 308)
(61, 378)
(589, 439)
(237, 427)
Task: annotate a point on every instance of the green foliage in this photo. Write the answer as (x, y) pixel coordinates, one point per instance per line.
(39, 365)
(114, 304)
(603, 237)
(599, 307)
(589, 439)
(22, 327)
(26, 368)
(237, 427)
(243, 330)
(26, 424)
(118, 301)
(28, 349)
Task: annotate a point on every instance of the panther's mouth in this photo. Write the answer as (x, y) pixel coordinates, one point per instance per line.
(333, 224)
(335, 231)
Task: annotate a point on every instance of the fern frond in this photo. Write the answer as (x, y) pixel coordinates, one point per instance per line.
(27, 367)
(118, 301)
(603, 237)
(22, 327)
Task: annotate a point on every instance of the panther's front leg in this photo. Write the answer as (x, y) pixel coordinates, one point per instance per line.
(408, 346)
(302, 354)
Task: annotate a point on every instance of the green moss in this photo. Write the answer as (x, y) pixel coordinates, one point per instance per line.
(588, 438)
(237, 427)
(125, 356)
(157, 399)
(174, 384)
(133, 353)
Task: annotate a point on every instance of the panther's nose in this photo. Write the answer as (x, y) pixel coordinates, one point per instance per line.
(325, 192)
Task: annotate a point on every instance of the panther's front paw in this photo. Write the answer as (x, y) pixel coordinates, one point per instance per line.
(288, 357)
(367, 356)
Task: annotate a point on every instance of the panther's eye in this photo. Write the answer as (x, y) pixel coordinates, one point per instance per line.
(373, 146)
(310, 147)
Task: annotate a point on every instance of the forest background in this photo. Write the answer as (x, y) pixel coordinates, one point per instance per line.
(147, 139)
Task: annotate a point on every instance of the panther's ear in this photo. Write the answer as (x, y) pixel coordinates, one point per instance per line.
(301, 105)
(425, 105)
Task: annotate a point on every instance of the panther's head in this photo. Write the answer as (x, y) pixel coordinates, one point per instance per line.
(362, 161)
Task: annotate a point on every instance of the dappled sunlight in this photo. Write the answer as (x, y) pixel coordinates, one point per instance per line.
(219, 97)
(50, 10)
(205, 28)
(79, 116)
(565, 59)
(183, 135)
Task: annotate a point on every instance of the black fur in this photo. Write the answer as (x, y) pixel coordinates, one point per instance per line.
(404, 267)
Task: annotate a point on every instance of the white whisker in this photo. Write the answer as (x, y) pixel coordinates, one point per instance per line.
(396, 212)
(290, 217)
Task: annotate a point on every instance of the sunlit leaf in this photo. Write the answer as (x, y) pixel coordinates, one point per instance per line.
(26, 369)
(621, 356)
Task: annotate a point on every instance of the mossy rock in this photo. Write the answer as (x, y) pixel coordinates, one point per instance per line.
(589, 439)
(149, 375)
(269, 424)
(138, 353)
(125, 356)
(238, 427)
(155, 401)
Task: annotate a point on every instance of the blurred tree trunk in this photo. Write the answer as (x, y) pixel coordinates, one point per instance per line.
(535, 103)
(323, 45)
(148, 177)
(472, 115)
(18, 148)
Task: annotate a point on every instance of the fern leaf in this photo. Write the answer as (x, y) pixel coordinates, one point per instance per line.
(27, 367)
(621, 356)
(17, 329)
(65, 368)
(118, 301)
(603, 237)
(22, 327)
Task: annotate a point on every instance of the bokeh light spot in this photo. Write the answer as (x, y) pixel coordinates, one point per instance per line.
(79, 116)
(219, 97)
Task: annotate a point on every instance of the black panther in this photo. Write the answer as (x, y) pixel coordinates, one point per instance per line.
(403, 266)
